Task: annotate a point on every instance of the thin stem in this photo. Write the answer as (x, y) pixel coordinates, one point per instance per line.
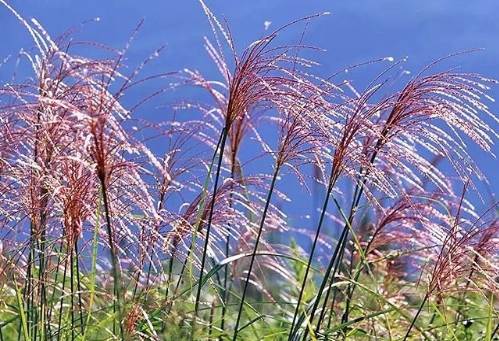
(78, 286)
(71, 285)
(459, 312)
(28, 289)
(350, 289)
(139, 271)
(210, 324)
(255, 249)
(208, 228)
(186, 260)
(335, 270)
(170, 271)
(312, 251)
(225, 296)
(416, 316)
(41, 279)
(496, 330)
(326, 278)
(355, 281)
(61, 304)
(50, 310)
(331, 310)
(341, 247)
(114, 260)
(149, 268)
(359, 190)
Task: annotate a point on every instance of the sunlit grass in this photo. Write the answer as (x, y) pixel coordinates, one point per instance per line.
(105, 235)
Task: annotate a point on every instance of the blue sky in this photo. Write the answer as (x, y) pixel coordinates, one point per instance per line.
(356, 31)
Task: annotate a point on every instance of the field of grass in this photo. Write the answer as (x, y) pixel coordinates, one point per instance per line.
(198, 226)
